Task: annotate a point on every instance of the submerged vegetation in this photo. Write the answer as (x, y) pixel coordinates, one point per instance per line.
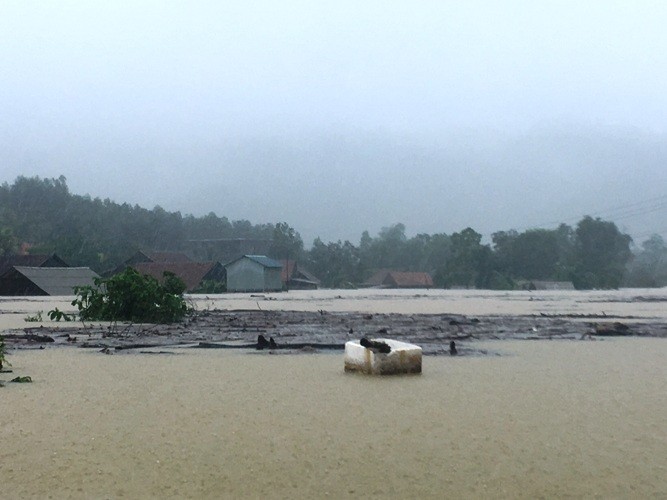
(130, 296)
(35, 318)
(43, 216)
(57, 315)
(3, 360)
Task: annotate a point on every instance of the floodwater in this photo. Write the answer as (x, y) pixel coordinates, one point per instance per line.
(548, 419)
(648, 304)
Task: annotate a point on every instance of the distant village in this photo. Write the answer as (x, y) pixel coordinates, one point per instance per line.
(48, 235)
(39, 275)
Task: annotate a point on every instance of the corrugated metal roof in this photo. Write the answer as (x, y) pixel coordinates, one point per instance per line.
(38, 260)
(263, 260)
(58, 280)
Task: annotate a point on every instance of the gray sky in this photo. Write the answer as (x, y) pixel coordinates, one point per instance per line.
(343, 116)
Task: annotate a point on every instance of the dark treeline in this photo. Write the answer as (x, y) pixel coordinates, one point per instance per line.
(101, 234)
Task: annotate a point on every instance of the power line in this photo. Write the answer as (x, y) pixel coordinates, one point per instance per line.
(620, 212)
(632, 206)
(661, 232)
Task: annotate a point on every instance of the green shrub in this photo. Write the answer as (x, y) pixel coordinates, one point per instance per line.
(130, 296)
(36, 318)
(3, 361)
(56, 315)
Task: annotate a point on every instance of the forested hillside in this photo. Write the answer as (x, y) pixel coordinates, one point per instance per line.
(100, 233)
(42, 216)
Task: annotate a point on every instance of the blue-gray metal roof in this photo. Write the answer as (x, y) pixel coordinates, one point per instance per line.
(265, 261)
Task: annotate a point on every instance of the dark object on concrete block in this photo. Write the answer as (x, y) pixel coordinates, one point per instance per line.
(375, 345)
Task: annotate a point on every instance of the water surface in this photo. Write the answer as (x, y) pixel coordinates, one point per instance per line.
(547, 419)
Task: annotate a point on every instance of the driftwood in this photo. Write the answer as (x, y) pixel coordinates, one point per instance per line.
(137, 346)
(29, 337)
(612, 329)
(299, 330)
(295, 345)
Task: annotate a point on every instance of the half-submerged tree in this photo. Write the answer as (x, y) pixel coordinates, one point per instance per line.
(601, 253)
(130, 296)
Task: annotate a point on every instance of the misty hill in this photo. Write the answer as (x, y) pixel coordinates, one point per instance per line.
(45, 216)
(336, 184)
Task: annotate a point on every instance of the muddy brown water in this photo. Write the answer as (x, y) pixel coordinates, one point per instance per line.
(548, 419)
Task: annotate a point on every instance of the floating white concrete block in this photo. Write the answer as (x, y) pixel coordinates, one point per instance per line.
(403, 358)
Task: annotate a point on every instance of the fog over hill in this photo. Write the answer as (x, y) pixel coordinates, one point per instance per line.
(337, 185)
(345, 116)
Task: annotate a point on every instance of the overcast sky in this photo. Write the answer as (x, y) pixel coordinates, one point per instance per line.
(349, 115)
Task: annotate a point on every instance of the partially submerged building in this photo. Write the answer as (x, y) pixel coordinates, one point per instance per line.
(21, 280)
(38, 260)
(143, 256)
(296, 277)
(195, 275)
(254, 273)
(546, 285)
(399, 279)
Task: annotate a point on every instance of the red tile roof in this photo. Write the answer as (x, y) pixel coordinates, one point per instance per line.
(192, 273)
(408, 279)
(377, 278)
(400, 279)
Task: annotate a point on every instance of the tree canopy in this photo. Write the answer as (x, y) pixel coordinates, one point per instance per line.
(41, 215)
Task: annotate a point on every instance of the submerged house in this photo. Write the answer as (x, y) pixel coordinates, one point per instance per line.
(142, 256)
(40, 260)
(21, 280)
(399, 279)
(193, 274)
(296, 277)
(254, 273)
(546, 285)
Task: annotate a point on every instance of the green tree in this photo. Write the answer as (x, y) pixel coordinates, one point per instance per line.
(470, 261)
(336, 264)
(130, 296)
(649, 267)
(286, 243)
(8, 242)
(533, 254)
(601, 253)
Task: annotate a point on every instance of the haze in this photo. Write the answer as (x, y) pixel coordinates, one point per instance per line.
(343, 116)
